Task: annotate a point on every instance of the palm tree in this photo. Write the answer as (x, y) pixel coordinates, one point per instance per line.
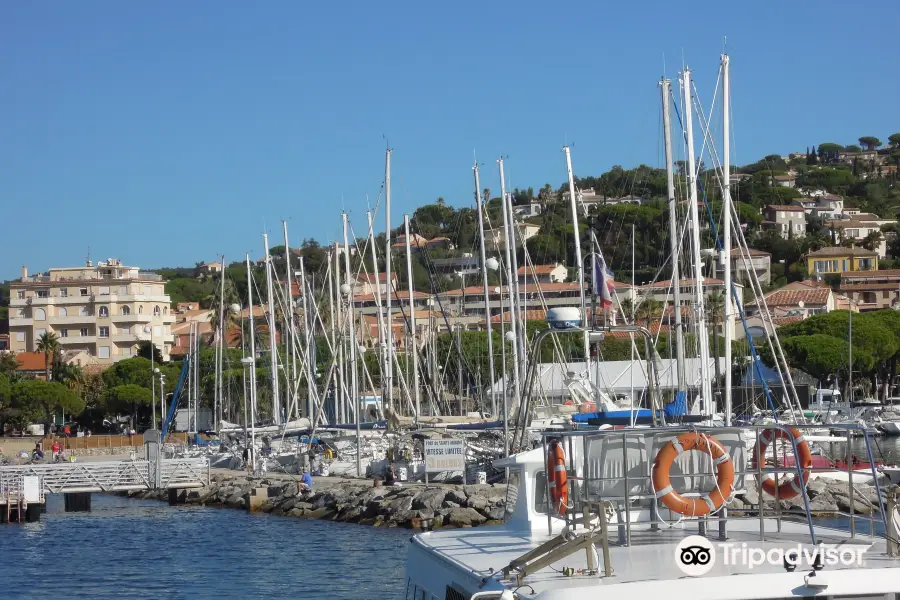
(648, 310)
(231, 297)
(872, 240)
(48, 343)
(626, 307)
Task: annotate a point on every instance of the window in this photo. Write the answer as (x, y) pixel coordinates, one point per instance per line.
(84, 332)
(104, 352)
(63, 333)
(126, 310)
(83, 291)
(123, 330)
(43, 293)
(40, 314)
(62, 312)
(20, 336)
(84, 312)
(64, 293)
(140, 309)
(21, 294)
(104, 332)
(165, 310)
(156, 311)
(104, 311)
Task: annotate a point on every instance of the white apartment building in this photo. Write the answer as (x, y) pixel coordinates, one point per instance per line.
(102, 310)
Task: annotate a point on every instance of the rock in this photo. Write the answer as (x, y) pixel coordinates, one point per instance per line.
(437, 522)
(457, 496)
(816, 486)
(477, 502)
(860, 506)
(496, 513)
(429, 499)
(288, 504)
(297, 512)
(465, 517)
(448, 504)
(823, 503)
(398, 505)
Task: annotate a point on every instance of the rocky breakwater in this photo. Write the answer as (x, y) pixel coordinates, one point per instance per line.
(414, 506)
(827, 498)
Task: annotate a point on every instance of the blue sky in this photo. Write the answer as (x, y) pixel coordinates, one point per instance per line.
(167, 133)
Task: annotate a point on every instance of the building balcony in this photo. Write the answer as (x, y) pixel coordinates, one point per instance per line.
(125, 337)
(74, 299)
(78, 339)
(69, 319)
(21, 322)
(132, 318)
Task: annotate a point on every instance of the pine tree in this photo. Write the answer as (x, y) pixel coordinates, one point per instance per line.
(812, 158)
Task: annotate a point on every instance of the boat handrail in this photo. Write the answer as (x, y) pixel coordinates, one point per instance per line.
(582, 480)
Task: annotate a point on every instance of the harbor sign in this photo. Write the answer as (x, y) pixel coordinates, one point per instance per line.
(445, 455)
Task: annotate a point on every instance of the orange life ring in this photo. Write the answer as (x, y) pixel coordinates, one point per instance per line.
(556, 479)
(707, 503)
(788, 488)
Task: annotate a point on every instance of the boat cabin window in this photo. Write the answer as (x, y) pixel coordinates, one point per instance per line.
(540, 492)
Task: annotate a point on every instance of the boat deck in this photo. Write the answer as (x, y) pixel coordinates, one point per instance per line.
(648, 565)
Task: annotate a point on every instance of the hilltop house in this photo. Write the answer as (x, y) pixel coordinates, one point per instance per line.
(857, 227)
(742, 262)
(837, 259)
(872, 290)
(556, 273)
(788, 220)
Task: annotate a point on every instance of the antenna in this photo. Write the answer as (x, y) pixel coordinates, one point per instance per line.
(87, 259)
(387, 143)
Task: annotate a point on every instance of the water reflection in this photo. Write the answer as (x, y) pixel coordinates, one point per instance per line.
(127, 549)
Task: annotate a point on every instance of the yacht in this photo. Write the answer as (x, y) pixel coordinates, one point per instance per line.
(652, 513)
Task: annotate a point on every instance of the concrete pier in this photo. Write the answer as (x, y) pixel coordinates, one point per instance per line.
(33, 512)
(177, 497)
(77, 501)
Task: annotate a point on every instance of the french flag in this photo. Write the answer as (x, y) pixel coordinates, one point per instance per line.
(604, 282)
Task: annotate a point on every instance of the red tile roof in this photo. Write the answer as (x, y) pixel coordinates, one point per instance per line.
(537, 270)
(31, 361)
(684, 282)
(810, 297)
(785, 207)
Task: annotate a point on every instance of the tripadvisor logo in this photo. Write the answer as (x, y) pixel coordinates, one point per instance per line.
(695, 556)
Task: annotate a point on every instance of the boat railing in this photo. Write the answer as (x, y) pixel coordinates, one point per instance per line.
(615, 466)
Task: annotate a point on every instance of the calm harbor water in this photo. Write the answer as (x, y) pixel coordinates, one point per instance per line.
(128, 549)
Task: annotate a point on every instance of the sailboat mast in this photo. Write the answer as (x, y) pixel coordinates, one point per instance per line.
(699, 300)
(290, 358)
(726, 236)
(309, 341)
(273, 347)
(509, 286)
(337, 322)
(520, 323)
(674, 237)
(220, 350)
(354, 393)
(412, 321)
(379, 315)
(388, 332)
(252, 360)
(479, 205)
(579, 261)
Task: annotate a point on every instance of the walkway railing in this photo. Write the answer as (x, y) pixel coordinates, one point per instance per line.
(112, 476)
